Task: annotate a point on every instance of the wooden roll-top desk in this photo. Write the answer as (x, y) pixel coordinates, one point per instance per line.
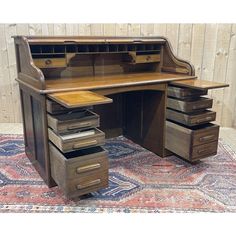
(77, 91)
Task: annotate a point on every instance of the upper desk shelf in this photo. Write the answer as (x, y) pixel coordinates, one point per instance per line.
(54, 64)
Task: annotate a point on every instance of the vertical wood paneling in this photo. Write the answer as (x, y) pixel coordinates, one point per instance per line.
(159, 30)
(6, 95)
(134, 29)
(109, 29)
(147, 30)
(185, 41)
(11, 30)
(84, 29)
(59, 29)
(35, 29)
(97, 29)
(229, 98)
(172, 33)
(121, 29)
(210, 47)
(220, 65)
(72, 29)
(197, 45)
(47, 29)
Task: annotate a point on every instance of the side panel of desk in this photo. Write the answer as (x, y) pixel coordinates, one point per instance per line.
(35, 131)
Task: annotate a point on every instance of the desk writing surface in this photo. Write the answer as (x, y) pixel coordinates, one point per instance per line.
(110, 81)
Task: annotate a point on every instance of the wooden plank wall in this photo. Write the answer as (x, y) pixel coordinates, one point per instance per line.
(210, 47)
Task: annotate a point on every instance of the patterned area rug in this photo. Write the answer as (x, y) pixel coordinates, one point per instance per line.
(139, 181)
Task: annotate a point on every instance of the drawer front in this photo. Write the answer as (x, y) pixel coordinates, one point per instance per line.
(73, 121)
(190, 119)
(71, 142)
(206, 135)
(87, 167)
(50, 62)
(84, 185)
(189, 106)
(79, 163)
(204, 150)
(183, 93)
(147, 58)
(87, 171)
(185, 141)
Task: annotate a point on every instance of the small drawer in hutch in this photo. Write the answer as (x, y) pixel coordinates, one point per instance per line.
(50, 62)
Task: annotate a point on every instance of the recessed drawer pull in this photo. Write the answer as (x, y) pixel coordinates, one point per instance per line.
(81, 124)
(89, 184)
(85, 144)
(204, 119)
(204, 151)
(88, 168)
(199, 106)
(207, 138)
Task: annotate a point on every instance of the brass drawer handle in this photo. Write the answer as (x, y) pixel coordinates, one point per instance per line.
(79, 125)
(85, 144)
(48, 62)
(207, 138)
(89, 184)
(148, 58)
(88, 168)
(204, 119)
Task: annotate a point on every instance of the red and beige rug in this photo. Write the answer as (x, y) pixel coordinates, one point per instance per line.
(139, 181)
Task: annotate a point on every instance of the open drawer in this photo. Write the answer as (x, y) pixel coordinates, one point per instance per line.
(77, 140)
(190, 105)
(77, 99)
(191, 119)
(192, 143)
(65, 123)
(79, 172)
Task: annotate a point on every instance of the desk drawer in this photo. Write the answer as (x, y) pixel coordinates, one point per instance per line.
(147, 58)
(77, 140)
(205, 150)
(192, 144)
(192, 105)
(79, 172)
(50, 62)
(184, 93)
(68, 122)
(192, 118)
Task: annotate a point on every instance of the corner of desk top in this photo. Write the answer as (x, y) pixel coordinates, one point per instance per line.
(195, 83)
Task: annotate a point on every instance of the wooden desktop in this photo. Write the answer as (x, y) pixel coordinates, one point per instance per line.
(70, 86)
